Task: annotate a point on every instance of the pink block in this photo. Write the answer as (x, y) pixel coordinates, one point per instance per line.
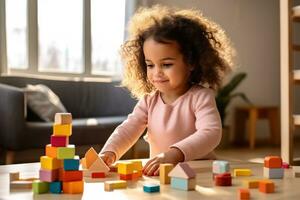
(48, 175)
(59, 141)
(285, 165)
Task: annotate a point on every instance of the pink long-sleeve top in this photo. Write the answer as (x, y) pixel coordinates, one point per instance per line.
(191, 123)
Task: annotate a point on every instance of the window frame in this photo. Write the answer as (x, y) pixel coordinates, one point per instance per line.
(32, 45)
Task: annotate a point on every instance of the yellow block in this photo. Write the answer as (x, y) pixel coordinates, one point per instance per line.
(62, 129)
(50, 163)
(251, 183)
(125, 167)
(137, 165)
(110, 185)
(242, 172)
(164, 170)
(73, 187)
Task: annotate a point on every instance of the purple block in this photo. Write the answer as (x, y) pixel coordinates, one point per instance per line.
(48, 175)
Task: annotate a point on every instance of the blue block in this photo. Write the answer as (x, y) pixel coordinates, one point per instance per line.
(179, 183)
(71, 164)
(55, 187)
(151, 187)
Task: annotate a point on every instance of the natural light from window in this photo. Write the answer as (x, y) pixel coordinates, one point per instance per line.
(16, 33)
(107, 29)
(60, 35)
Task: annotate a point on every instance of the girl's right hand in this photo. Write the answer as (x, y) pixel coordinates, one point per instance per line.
(108, 157)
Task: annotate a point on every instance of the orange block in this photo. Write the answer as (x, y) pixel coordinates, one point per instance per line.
(51, 151)
(90, 157)
(273, 162)
(125, 177)
(72, 175)
(136, 174)
(243, 194)
(83, 163)
(266, 186)
(73, 187)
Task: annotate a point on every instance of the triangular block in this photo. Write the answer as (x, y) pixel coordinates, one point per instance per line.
(90, 157)
(99, 165)
(182, 170)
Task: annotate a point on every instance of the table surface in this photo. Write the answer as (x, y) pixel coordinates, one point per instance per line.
(287, 188)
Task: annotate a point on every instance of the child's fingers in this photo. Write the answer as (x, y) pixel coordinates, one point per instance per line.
(156, 173)
(153, 168)
(147, 164)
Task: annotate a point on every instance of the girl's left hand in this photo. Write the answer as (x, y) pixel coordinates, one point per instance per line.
(173, 156)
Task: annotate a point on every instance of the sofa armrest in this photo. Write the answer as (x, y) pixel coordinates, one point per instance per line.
(12, 120)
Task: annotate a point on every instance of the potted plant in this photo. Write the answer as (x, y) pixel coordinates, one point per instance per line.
(224, 96)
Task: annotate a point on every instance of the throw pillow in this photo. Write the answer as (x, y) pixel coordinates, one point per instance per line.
(43, 101)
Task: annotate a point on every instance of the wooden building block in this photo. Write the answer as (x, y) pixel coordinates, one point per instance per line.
(73, 187)
(243, 194)
(51, 151)
(182, 170)
(273, 173)
(20, 184)
(55, 187)
(74, 175)
(14, 176)
(62, 129)
(39, 187)
(90, 157)
(266, 186)
(98, 175)
(63, 118)
(242, 172)
(223, 179)
(125, 177)
(125, 167)
(66, 152)
(99, 165)
(48, 175)
(251, 183)
(83, 163)
(285, 165)
(151, 187)
(273, 162)
(137, 165)
(113, 168)
(136, 174)
(59, 141)
(71, 164)
(50, 163)
(183, 184)
(220, 166)
(164, 170)
(111, 185)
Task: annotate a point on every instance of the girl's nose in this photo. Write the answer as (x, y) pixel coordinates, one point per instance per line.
(158, 70)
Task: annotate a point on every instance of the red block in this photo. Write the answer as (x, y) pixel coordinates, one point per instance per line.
(273, 162)
(223, 179)
(98, 175)
(59, 141)
(72, 175)
(125, 177)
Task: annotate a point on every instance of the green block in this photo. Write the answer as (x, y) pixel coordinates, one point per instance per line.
(66, 152)
(40, 187)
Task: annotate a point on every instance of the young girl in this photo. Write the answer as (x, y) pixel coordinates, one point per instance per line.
(170, 55)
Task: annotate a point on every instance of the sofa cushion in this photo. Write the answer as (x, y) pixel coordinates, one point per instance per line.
(43, 101)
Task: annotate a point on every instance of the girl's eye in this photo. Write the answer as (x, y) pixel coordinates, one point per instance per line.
(149, 65)
(167, 65)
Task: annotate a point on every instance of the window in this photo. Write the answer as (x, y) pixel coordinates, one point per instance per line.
(65, 37)
(16, 34)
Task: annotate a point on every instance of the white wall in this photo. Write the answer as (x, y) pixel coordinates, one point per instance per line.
(253, 26)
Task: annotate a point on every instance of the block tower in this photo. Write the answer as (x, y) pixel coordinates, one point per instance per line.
(60, 166)
(273, 167)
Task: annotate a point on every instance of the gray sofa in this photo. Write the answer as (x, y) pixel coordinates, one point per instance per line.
(21, 129)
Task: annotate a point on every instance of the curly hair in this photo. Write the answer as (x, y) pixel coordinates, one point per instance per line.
(203, 44)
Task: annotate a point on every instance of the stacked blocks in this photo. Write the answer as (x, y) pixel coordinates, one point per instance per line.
(93, 166)
(151, 187)
(183, 177)
(130, 170)
(273, 167)
(164, 170)
(220, 167)
(224, 179)
(60, 167)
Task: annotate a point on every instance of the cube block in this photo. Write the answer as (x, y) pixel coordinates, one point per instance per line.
(151, 187)
(73, 187)
(183, 184)
(71, 164)
(273, 162)
(242, 172)
(220, 166)
(59, 141)
(55, 187)
(251, 183)
(40, 187)
(50, 163)
(224, 179)
(125, 168)
(48, 175)
(243, 194)
(63, 118)
(66, 152)
(51, 151)
(111, 185)
(62, 129)
(137, 165)
(266, 186)
(125, 176)
(136, 174)
(164, 170)
(273, 173)
(74, 175)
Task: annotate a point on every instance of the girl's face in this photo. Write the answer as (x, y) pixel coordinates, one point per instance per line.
(166, 68)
